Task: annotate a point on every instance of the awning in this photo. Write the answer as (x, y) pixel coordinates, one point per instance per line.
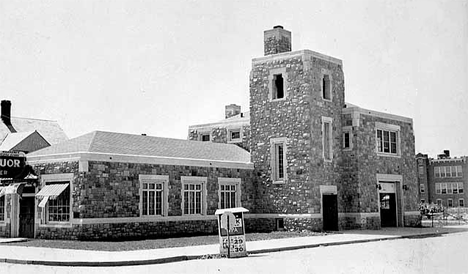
(16, 188)
(51, 191)
(2, 190)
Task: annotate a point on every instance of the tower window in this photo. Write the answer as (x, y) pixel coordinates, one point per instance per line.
(278, 160)
(278, 86)
(326, 87)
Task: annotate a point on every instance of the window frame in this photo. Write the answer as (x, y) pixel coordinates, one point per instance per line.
(326, 72)
(462, 201)
(438, 188)
(271, 89)
(437, 172)
(51, 179)
(390, 128)
(422, 188)
(230, 182)
(347, 130)
(327, 120)
(439, 202)
(187, 180)
(275, 162)
(154, 179)
(449, 202)
(229, 135)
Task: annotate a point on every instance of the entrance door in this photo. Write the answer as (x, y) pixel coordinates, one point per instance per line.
(387, 209)
(330, 212)
(26, 217)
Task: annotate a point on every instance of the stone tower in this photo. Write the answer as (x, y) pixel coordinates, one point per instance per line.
(296, 98)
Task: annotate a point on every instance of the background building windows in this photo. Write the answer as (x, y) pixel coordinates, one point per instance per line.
(450, 203)
(422, 188)
(2, 208)
(461, 202)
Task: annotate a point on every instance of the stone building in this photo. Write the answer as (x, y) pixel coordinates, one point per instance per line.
(299, 159)
(442, 180)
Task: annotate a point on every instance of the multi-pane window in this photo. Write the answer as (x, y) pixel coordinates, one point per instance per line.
(461, 202)
(422, 188)
(278, 159)
(2, 208)
(193, 195)
(449, 202)
(152, 198)
(327, 138)
(448, 171)
(387, 141)
(449, 188)
(229, 192)
(58, 209)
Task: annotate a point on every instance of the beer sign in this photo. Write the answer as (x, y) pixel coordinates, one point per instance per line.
(12, 164)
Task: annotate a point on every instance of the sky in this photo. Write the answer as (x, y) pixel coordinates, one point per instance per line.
(156, 67)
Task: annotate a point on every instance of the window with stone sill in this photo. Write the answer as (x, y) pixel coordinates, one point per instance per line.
(326, 87)
(193, 195)
(387, 139)
(234, 135)
(204, 137)
(347, 138)
(327, 138)
(278, 151)
(461, 202)
(277, 84)
(153, 195)
(229, 192)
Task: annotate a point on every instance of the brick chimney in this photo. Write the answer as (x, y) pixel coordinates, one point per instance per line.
(277, 40)
(232, 110)
(6, 114)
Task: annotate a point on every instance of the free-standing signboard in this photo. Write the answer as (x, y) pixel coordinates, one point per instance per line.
(12, 165)
(231, 231)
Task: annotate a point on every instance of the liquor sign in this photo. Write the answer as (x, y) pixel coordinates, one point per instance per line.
(231, 232)
(12, 164)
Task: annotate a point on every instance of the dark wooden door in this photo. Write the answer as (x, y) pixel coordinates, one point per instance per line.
(26, 217)
(330, 212)
(387, 209)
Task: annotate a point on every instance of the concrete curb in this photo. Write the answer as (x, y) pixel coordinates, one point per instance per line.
(194, 257)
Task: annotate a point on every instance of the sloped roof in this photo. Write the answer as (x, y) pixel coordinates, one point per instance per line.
(239, 119)
(12, 139)
(50, 130)
(139, 145)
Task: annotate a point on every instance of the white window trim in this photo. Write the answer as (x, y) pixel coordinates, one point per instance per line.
(150, 178)
(388, 127)
(449, 200)
(349, 130)
(230, 181)
(330, 135)
(238, 140)
(274, 72)
(273, 142)
(205, 132)
(322, 74)
(203, 181)
(51, 178)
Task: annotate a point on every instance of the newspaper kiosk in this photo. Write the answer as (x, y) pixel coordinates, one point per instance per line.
(231, 230)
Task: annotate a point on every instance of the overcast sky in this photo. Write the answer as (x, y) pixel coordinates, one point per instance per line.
(156, 67)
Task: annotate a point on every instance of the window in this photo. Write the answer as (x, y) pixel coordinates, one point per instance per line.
(278, 91)
(387, 141)
(421, 170)
(461, 202)
(454, 171)
(438, 188)
(423, 201)
(229, 192)
(460, 188)
(459, 171)
(234, 135)
(442, 172)
(449, 202)
(454, 188)
(449, 188)
(278, 159)
(327, 138)
(277, 84)
(439, 202)
(444, 188)
(346, 140)
(205, 137)
(55, 197)
(193, 195)
(153, 195)
(422, 188)
(326, 92)
(2, 208)
(437, 172)
(448, 171)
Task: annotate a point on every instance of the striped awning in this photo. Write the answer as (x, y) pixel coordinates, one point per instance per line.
(15, 188)
(2, 190)
(51, 191)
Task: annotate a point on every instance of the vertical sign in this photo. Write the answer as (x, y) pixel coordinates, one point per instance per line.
(232, 234)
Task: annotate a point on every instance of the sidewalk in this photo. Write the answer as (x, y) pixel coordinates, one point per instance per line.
(68, 257)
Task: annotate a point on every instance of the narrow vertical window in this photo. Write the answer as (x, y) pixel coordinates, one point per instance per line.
(278, 86)
(459, 171)
(436, 172)
(327, 138)
(455, 188)
(326, 87)
(278, 162)
(461, 202)
(2, 208)
(460, 188)
(444, 188)
(448, 171)
(450, 203)
(346, 140)
(438, 188)
(422, 188)
(439, 202)
(379, 141)
(454, 171)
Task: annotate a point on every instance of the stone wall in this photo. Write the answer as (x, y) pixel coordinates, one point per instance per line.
(219, 134)
(298, 117)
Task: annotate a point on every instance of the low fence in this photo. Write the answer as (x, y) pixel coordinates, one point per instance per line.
(447, 216)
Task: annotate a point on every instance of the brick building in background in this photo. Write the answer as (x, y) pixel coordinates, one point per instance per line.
(300, 158)
(443, 180)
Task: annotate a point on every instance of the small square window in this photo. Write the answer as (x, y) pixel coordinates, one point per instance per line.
(278, 86)
(423, 201)
(205, 137)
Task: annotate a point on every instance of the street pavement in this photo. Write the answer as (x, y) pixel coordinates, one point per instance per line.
(68, 257)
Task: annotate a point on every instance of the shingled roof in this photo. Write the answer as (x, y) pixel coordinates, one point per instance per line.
(102, 142)
(49, 129)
